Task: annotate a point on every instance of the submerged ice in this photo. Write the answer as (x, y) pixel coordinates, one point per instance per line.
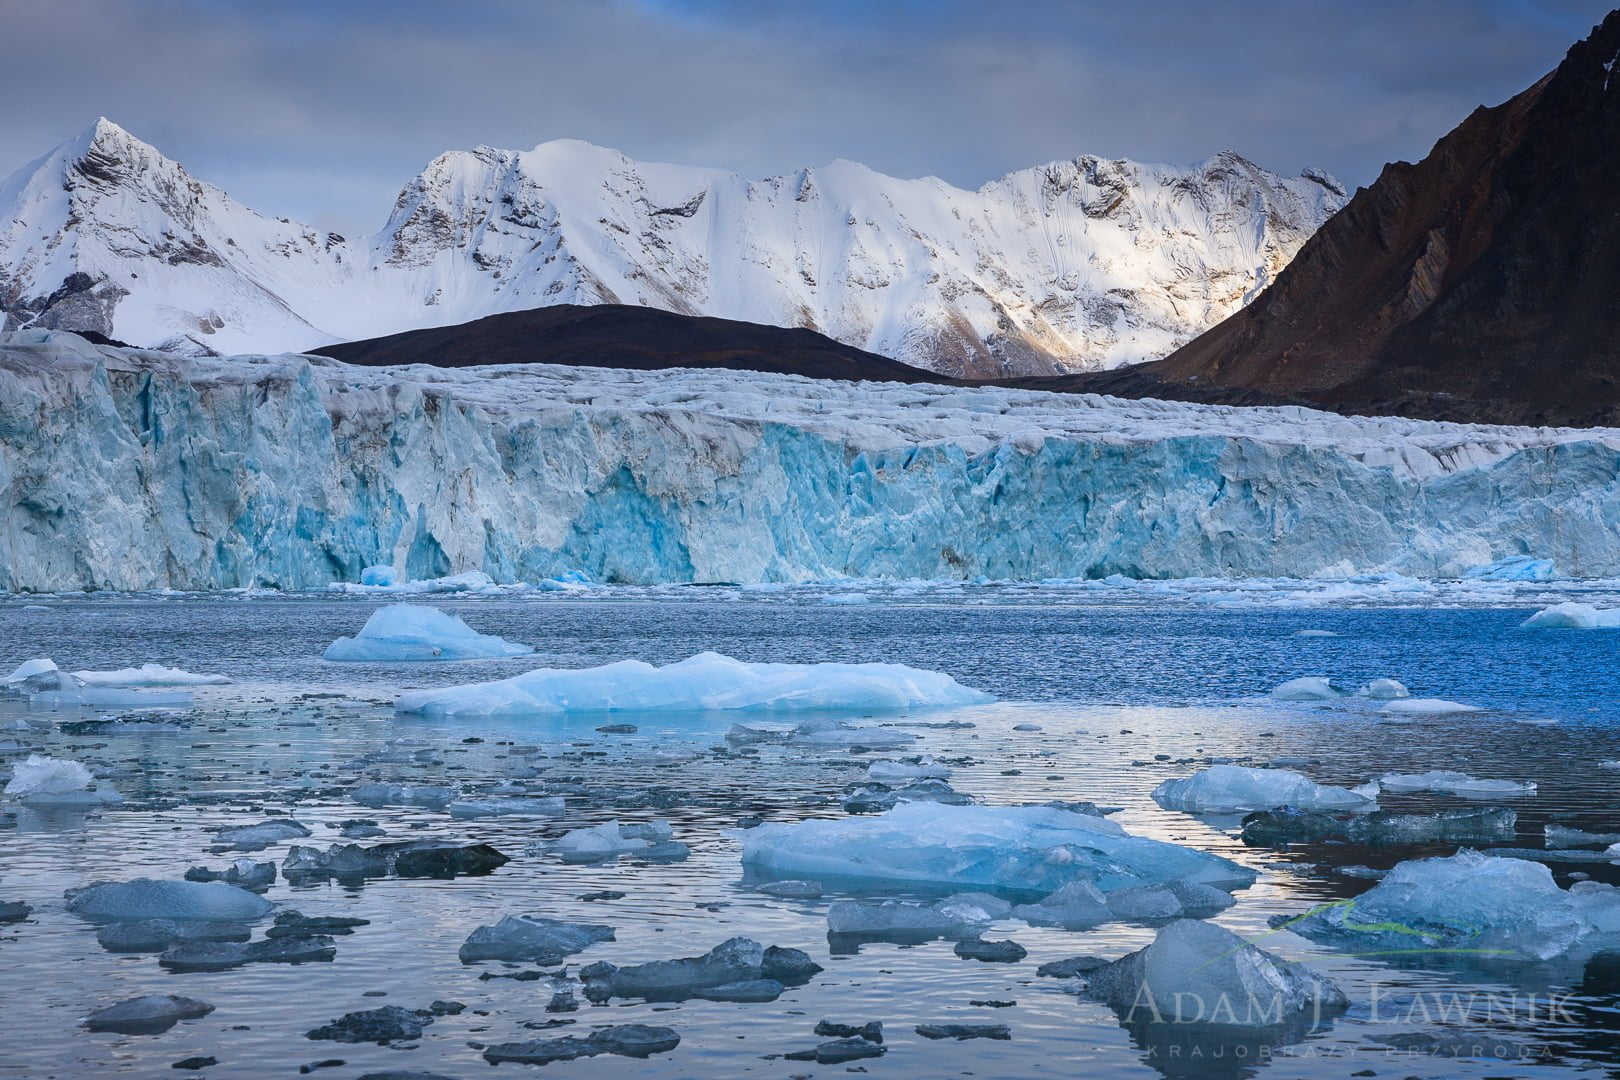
(702, 683)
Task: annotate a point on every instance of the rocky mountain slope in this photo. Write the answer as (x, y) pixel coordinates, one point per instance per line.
(1076, 265)
(1481, 284)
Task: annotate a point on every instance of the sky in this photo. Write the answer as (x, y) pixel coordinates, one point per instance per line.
(321, 110)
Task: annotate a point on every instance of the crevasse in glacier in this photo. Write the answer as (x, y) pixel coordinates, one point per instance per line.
(295, 472)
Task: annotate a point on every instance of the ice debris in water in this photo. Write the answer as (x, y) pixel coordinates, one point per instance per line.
(926, 768)
(46, 781)
(532, 938)
(700, 683)
(738, 969)
(148, 898)
(156, 935)
(256, 876)
(150, 1014)
(1445, 782)
(1384, 690)
(414, 858)
(623, 1040)
(1575, 616)
(1468, 905)
(1288, 825)
(1029, 848)
(610, 839)
(148, 675)
(1080, 905)
(418, 632)
(1309, 688)
(507, 807)
(380, 795)
(388, 1024)
(1428, 707)
(1198, 973)
(964, 914)
(258, 837)
(1230, 788)
(1561, 836)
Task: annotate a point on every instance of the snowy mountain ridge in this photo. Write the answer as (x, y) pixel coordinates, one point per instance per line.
(1074, 265)
(294, 472)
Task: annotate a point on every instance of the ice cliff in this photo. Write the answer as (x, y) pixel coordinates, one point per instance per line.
(124, 469)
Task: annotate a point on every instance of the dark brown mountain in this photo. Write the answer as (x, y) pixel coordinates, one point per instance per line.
(1481, 284)
(622, 336)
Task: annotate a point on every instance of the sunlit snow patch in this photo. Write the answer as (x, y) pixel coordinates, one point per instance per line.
(1036, 849)
(702, 683)
(419, 632)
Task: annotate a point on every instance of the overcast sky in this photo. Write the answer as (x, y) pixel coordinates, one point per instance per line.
(321, 109)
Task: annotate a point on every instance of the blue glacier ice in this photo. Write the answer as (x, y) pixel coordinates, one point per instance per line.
(702, 683)
(419, 632)
(297, 472)
(1224, 789)
(1037, 849)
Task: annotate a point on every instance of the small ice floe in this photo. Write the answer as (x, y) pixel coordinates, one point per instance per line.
(922, 768)
(404, 632)
(1287, 825)
(42, 782)
(1446, 782)
(380, 795)
(962, 915)
(150, 1014)
(1307, 688)
(609, 840)
(257, 837)
(1428, 707)
(391, 1023)
(157, 935)
(792, 889)
(706, 682)
(1574, 616)
(222, 956)
(874, 798)
(1031, 848)
(1225, 789)
(1561, 836)
(622, 1040)
(532, 938)
(148, 675)
(466, 809)
(1468, 905)
(738, 969)
(149, 898)
(255, 876)
(1316, 633)
(1200, 973)
(1384, 690)
(990, 952)
(410, 859)
(31, 677)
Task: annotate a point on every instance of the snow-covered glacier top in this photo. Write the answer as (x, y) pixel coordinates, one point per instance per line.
(297, 471)
(1077, 264)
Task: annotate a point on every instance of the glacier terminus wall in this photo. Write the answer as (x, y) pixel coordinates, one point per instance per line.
(134, 470)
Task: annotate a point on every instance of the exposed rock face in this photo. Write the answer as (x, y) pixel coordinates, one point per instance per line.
(1075, 265)
(1482, 283)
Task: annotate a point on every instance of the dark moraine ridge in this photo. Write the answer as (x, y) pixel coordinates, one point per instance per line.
(623, 336)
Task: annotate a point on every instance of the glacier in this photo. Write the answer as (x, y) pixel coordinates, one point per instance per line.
(293, 472)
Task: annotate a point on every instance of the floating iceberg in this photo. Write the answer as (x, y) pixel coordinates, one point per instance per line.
(1036, 849)
(1575, 616)
(418, 632)
(1445, 782)
(701, 683)
(1423, 706)
(1384, 690)
(147, 1015)
(1562, 836)
(532, 938)
(1468, 905)
(31, 676)
(148, 675)
(1288, 825)
(887, 772)
(1309, 688)
(146, 898)
(47, 781)
(1225, 789)
(1197, 973)
(963, 915)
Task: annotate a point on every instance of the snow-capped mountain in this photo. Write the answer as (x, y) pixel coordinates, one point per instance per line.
(1074, 265)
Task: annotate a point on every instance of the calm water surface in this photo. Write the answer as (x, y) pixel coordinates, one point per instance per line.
(1111, 687)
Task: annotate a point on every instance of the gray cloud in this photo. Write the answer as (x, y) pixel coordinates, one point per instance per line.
(320, 111)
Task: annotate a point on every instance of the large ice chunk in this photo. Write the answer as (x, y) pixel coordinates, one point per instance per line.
(1468, 905)
(420, 632)
(1571, 615)
(1222, 789)
(146, 898)
(1198, 973)
(1308, 688)
(48, 781)
(148, 675)
(701, 683)
(1036, 849)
